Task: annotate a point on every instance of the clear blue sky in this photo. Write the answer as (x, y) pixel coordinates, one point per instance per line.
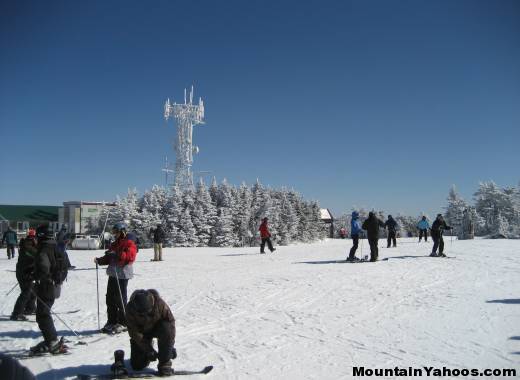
(379, 104)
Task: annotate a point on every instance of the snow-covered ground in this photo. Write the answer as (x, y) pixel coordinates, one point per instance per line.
(300, 314)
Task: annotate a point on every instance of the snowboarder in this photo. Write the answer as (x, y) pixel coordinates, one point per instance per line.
(391, 226)
(158, 240)
(50, 270)
(423, 226)
(11, 240)
(148, 317)
(371, 225)
(438, 227)
(119, 258)
(266, 237)
(355, 231)
(26, 302)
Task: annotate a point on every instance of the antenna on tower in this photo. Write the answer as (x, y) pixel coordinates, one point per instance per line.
(187, 116)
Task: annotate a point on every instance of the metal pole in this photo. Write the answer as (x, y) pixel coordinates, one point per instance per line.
(9, 292)
(57, 316)
(97, 292)
(120, 293)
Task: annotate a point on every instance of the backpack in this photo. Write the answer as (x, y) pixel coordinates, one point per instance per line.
(60, 269)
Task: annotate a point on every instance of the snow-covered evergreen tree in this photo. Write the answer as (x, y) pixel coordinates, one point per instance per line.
(455, 210)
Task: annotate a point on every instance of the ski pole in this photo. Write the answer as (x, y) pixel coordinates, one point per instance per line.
(120, 293)
(97, 292)
(361, 247)
(9, 292)
(57, 316)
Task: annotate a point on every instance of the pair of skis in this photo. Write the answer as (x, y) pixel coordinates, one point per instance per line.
(141, 375)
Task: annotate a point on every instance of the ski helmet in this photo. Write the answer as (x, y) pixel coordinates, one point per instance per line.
(119, 227)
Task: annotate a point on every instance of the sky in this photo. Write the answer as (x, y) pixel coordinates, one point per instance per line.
(369, 103)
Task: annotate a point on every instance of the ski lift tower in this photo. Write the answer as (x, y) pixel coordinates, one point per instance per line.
(187, 115)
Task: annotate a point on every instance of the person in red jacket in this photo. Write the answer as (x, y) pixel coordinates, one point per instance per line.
(266, 237)
(119, 258)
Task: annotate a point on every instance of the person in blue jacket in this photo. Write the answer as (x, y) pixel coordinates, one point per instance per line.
(355, 230)
(423, 227)
(11, 239)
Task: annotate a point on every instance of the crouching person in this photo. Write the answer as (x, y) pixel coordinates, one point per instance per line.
(148, 317)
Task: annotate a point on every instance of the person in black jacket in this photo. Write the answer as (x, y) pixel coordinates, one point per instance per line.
(371, 225)
(158, 240)
(47, 290)
(438, 227)
(26, 302)
(391, 226)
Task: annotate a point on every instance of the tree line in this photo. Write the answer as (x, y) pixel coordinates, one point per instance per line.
(221, 215)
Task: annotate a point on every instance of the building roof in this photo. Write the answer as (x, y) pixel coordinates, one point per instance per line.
(19, 213)
(325, 214)
(88, 203)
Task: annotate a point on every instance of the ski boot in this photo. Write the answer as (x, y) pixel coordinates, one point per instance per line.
(165, 369)
(352, 259)
(433, 254)
(442, 255)
(118, 368)
(57, 347)
(118, 328)
(18, 317)
(107, 329)
(40, 348)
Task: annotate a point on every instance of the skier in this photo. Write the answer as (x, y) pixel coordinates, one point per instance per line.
(50, 272)
(371, 225)
(391, 226)
(438, 227)
(266, 237)
(119, 258)
(148, 317)
(26, 302)
(11, 240)
(355, 230)
(423, 226)
(158, 240)
(62, 239)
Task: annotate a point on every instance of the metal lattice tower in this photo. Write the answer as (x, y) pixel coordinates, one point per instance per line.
(187, 115)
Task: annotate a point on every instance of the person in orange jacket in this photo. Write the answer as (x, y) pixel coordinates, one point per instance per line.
(266, 237)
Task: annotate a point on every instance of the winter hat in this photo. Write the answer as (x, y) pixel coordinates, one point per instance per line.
(143, 301)
(390, 217)
(265, 219)
(355, 214)
(370, 214)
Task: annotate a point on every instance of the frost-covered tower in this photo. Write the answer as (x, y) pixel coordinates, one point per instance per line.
(187, 115)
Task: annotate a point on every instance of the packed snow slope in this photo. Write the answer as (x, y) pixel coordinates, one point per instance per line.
(299, 313)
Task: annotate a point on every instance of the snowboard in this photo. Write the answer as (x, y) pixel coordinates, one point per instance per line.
(141, 375)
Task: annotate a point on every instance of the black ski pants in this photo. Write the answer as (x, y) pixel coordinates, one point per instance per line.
(10, 251)
(269, 244)
(26, 301)
(116, 309)
(44, 302)
(391, 239)
(139, 358)
(438, 242)
(374, 251)
(355, 242)
(425, 233)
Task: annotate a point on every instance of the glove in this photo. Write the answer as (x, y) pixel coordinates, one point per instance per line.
(174, 353)
(151, 355)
